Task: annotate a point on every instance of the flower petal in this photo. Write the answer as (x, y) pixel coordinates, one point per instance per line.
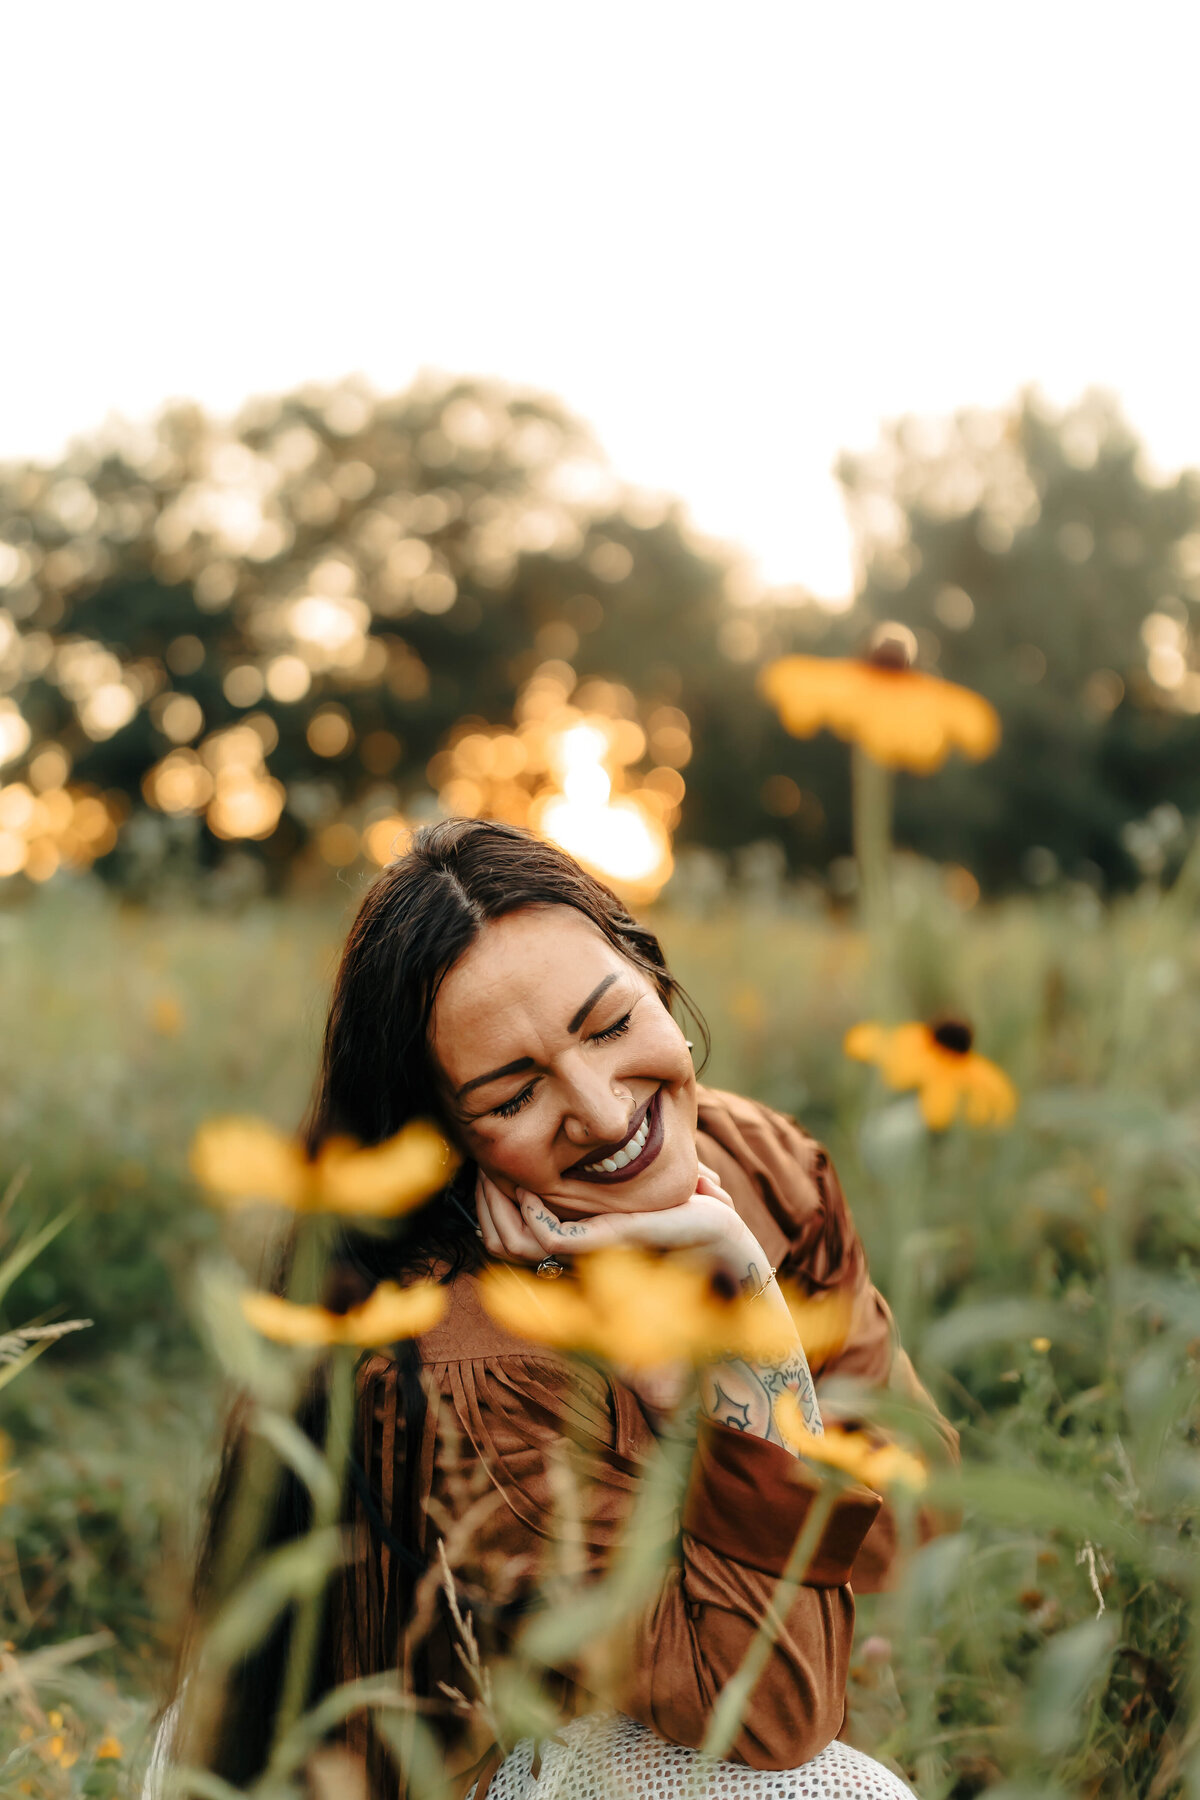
(239, 1159)
(991, 1098)
(546, 1312)
(910, 1057)
(384, 1180)
(394, 1312)
(286, 1323)
(939, 1100)
(865, 1042)
(822, 1322)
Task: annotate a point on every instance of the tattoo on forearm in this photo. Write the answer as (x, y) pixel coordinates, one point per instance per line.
(728, 1411)
(743, 1395)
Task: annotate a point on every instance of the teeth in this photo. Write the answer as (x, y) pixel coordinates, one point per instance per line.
(627, 1153)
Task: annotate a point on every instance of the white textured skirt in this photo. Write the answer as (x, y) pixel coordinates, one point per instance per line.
(611, 1757)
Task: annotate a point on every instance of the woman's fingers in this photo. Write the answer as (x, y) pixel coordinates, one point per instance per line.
(555, 1237)
(499, 1217)
(487, 1229)
(709, 1182)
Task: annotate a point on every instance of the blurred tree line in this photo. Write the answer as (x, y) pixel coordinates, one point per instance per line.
(351, 580)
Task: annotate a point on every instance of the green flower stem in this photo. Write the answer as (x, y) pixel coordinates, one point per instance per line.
(255, 1488)
(306, 1623)
(872, 791)
(734, 1696)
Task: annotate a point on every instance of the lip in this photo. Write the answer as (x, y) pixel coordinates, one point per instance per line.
(649, 1150)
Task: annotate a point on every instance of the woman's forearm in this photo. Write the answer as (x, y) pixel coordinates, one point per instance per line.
(742, 1394)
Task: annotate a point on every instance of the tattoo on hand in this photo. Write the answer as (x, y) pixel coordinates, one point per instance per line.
(556, 1225)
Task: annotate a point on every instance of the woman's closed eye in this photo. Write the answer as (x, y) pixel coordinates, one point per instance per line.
(612, 1031)
(508, 1109)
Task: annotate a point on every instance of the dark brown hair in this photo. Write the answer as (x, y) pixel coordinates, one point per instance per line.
(377, 1073)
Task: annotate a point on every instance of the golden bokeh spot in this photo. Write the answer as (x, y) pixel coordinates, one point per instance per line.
(329, 731)
(387, 839)
(339, 844)
(566, 771)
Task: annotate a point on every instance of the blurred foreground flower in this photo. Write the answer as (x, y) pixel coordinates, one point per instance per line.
(166, 1015)
(630, 1307)
(389, 1313)
(939, 1062)
(902, 718)
(822, 1321)
(853, 1452)
(243, 1159)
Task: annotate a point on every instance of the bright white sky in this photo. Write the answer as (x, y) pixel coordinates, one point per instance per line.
(733, 238)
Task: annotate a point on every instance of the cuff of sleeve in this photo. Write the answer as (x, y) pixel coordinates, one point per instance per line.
(747, 1500)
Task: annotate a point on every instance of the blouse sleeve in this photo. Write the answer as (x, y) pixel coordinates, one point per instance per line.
(786, 1188)
(517, 1418)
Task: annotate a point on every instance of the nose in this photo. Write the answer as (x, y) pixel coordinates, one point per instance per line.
(598, 1109)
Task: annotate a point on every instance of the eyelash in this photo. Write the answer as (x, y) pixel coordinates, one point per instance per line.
(511, 1108)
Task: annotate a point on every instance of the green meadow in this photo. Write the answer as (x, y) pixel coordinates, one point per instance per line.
(1043, 1278)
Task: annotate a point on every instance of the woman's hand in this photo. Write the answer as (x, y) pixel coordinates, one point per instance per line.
(529, 1230)
(734, 1392)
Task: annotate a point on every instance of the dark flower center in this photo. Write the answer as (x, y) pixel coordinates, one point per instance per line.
(953, 1034)
(724, 1283)
(345, 1288)
(891, 646)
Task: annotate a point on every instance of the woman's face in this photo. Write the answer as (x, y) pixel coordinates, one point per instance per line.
(557, 1056)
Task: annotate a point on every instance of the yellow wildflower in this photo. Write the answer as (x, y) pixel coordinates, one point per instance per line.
(109, 1749)
(1040, 1344)
(241, 1159)
(631, 1307)
(937, 1060)
(853, 1452)
(822, 1321)
(389, 1313)
(166, 1015)
(902, 718)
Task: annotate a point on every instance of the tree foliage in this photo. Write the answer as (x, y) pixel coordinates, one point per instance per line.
(360, 577)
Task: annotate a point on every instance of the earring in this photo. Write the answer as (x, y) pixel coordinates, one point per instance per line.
(688, 1042)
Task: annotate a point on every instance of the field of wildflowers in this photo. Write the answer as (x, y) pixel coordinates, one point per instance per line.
(1042, 1272)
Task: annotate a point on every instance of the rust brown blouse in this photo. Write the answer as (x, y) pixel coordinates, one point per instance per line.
(527, 1464)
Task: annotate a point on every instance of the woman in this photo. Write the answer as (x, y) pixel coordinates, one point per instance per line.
(490, 983)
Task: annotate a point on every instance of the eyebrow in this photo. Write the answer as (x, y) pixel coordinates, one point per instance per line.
(526, 1062)
(576, 1019)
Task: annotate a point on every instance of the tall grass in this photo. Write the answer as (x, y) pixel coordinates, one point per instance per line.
(1044, 1279)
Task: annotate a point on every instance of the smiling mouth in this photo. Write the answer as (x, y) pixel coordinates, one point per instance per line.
(628, 1159)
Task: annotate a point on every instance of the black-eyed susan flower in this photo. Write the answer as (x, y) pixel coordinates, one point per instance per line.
(629, 1307)
(389, 1313)
(938, 1061)
(242, 1159)
(822, 1321)
(109, 1749)
(902, 718)
(853, 1452)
